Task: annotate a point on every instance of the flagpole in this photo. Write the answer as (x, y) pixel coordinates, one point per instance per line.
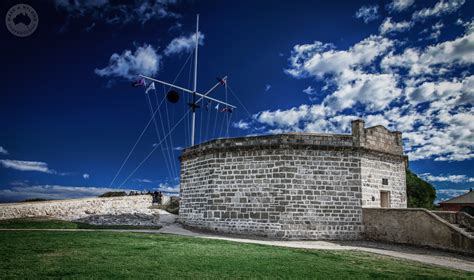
(195, 81)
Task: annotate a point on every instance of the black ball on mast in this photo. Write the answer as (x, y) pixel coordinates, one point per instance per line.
(172, 96)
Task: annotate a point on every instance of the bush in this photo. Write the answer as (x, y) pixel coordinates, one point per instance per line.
(420, 193)
(113, 194)
(34, 199)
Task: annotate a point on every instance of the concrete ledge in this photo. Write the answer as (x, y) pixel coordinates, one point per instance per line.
(414, 226)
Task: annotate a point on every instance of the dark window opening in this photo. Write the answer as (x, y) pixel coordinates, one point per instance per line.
(384, 181)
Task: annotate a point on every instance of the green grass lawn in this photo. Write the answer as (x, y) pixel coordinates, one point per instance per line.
(45, 223)
(111, 255)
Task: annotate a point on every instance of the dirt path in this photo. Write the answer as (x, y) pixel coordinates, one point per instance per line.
(426, 256)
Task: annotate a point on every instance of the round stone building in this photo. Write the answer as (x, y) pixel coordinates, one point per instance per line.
(292, 186)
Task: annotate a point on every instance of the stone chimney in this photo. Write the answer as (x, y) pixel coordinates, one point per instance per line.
(358, 132)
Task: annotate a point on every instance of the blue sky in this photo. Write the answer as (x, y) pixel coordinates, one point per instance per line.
(70, 117)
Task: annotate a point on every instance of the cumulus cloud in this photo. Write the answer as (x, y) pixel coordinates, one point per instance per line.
(86, 176)
(447, 178)
(267, 87)
(18, 193)
(388, 26)
(3, 151)
(21, 165)
(183, 44)
(426, 92)
(442, 7)
(399, 5)
(434, 59)
(283, 118)
(144, 60)
(140, 11)
(319, 59)
(368, 13)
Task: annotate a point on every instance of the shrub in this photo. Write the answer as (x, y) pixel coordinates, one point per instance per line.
(113, 194)
(420, 193)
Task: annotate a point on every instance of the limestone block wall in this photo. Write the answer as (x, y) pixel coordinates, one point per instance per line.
(73, 209)
(291, 186)
(294, 190)
(377, 138)
(383, 173)
(415, 226)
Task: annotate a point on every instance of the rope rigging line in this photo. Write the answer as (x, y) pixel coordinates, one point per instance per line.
(136, 143)
(209, 112)
(240, 102)
(215, 123)
(146, 127)
(168, 161)
(227, 115)
(201, 117)
(222, 127)
(153, 150)
(228, 124)
(171, 151)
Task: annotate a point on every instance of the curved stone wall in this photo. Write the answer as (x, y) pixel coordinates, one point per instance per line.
(288, 186)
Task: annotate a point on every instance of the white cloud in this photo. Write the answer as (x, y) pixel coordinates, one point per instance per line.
(434, 59)
(183, 44)
(143, 180)
(3, 151)
(145, 60)
(426, 93)
(447, 178)
(320, 59)
(388, 26)
(27, 165)
(436, 30)
(442, 7)
(241, 124)
(18, 193)
(368, 13)
(374, 91)
(267, 87)
(400, 5)
(86, 176)
(168, 188)
(309, 90)
(450, 193)
(140, 11)
(283, 118)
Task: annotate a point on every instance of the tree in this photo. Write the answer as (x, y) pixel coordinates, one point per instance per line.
(421, 194)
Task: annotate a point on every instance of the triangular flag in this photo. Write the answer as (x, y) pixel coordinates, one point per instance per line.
(138, 83)
(217, 107)
(150, 87)
(226, 109)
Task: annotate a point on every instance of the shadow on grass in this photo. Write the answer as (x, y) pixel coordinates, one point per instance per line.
(48, 223)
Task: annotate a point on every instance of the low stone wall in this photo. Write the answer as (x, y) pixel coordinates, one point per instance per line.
(74, 209)
(414, 226)
(461, 218)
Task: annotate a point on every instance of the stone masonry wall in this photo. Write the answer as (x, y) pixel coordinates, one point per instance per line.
(73, 209)
(287, 193)
(374, 170)
(291, 186)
